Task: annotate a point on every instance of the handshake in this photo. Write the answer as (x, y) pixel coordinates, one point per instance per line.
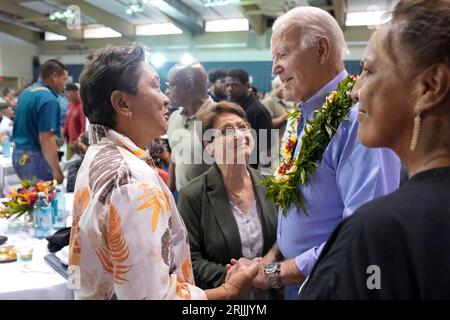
(245, 275)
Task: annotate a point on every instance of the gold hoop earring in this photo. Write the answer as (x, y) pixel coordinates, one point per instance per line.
(416, 131)
(130, 115)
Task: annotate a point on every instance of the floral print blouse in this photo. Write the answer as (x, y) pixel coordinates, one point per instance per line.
(128, 240)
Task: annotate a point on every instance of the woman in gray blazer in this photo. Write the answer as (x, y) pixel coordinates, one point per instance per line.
(225, 209)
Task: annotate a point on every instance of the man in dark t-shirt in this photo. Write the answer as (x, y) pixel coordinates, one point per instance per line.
(238, 86)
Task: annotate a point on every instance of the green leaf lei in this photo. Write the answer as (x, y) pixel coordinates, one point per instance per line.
(284, 187)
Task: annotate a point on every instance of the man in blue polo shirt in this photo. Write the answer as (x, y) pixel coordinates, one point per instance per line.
(36, 123)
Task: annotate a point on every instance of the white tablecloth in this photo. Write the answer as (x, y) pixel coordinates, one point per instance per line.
(37, 280)
(5, 161)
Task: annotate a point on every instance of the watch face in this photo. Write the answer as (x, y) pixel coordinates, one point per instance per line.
(271, 267)
(273, 274)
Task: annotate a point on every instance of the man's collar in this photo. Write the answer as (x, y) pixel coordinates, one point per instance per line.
(207, 101)
(98, 132)
(244, 102)
(317, 99)
(45, 84)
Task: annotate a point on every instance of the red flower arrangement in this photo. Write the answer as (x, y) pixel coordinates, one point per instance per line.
(22, 200)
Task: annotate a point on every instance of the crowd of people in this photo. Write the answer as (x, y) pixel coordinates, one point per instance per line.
(172, 199)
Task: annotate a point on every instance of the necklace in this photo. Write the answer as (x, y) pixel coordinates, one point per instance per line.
(238, 196)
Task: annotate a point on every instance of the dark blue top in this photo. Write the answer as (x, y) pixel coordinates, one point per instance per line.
(37, 111)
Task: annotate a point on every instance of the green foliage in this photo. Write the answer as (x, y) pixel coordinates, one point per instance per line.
(318, 133)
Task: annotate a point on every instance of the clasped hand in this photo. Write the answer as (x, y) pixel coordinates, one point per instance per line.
(259, 281)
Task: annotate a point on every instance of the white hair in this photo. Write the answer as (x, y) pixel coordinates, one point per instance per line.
(314, 23)
(276, 82)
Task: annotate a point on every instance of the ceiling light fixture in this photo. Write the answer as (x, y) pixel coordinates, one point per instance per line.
(367, 18)
(157, 29)
(157, 60)
(187, 58)
(99, 31)
(135, 8)
(215, 3)
(50, 36)
(62, 15)
(227, 25)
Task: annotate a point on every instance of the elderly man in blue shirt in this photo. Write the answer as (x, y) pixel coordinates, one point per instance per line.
(37, 123)
(308, 47)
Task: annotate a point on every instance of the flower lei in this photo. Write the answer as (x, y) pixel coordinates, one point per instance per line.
(284, 186)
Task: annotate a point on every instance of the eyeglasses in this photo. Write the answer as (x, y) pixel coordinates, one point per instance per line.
(230, 130)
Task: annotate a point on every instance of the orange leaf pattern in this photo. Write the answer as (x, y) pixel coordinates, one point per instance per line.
(186, 268)
(155, 198)
(132, 237)
(116, 252)
(183, 290)
(80, 203)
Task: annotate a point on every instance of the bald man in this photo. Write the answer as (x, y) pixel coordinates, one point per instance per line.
(188, 89)
(277, 107)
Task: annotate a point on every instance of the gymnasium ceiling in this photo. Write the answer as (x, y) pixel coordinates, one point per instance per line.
(28, 20)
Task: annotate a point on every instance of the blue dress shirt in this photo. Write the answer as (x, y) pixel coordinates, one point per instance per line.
(348, 176)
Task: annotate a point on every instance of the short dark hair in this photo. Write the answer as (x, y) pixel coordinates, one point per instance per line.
(52, 66)
(208, 116)
(71, 87)
(110, 69)
(215, 74)
(239, 74)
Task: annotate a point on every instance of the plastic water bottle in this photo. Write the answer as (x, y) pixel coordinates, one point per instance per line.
(42, 215)
(54, 204)
(59, 209)
(5, 144)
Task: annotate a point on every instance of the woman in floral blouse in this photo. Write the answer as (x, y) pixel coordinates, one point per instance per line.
(128, 240)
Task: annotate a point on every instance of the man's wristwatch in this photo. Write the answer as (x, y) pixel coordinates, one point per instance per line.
(272, 271)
